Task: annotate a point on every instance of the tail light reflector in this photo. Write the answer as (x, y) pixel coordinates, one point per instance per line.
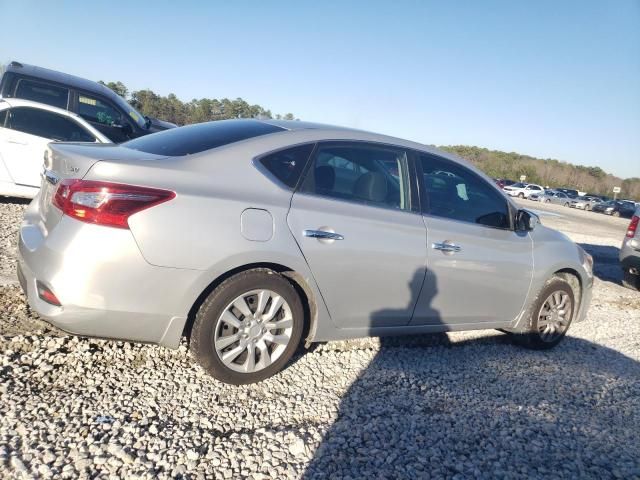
(633, 226)
(47, 295)
(105, 203)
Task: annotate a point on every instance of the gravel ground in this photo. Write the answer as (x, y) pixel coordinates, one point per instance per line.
(458, 405)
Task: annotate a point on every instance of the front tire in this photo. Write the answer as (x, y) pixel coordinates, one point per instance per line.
(550, 316)
(521, 195)
(616, 213)
(248, 328)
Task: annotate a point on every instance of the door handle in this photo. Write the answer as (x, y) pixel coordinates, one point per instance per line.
(322, 235)
(447, 247)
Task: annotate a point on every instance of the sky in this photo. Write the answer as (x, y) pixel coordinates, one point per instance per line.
(546, 78)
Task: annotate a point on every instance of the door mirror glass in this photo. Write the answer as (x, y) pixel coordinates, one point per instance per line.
(526, 221)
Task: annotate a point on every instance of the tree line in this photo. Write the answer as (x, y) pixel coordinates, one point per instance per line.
(547, 172)
(172, 109)
(497, 164)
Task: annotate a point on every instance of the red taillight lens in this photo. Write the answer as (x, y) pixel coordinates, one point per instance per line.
(46, 294)
(633, 226)
(104, 203)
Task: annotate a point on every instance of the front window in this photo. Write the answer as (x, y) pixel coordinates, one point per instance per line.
(456, 193)
(96, 110)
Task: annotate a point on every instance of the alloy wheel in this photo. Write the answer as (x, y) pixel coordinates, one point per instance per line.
(555, 316)
(253, 331)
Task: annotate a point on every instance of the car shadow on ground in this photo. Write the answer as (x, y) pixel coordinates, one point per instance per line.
(426, 407)
(16, 200)
(606, 262)
(429, 407)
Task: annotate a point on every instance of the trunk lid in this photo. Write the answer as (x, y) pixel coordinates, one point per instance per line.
(73, 160)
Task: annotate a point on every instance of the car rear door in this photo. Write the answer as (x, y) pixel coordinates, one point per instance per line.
(478, 269)
(352, 218)
(28, 131)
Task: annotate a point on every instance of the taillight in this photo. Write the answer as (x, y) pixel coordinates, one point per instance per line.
(633, 226)
(104, 203)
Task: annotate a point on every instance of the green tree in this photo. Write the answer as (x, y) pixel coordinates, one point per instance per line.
(117, 87)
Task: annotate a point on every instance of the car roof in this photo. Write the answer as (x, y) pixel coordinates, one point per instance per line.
(19, 102)
(58, 77)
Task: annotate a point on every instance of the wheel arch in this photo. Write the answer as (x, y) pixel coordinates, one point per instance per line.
(573, 278)
(296, 279)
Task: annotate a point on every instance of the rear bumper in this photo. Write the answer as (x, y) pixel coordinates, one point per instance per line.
(104, 285)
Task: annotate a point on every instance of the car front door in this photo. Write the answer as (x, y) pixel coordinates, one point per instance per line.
(352, 218)
(104, 116)
(478, 269)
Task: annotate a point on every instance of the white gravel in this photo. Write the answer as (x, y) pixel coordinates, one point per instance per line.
(460, 405)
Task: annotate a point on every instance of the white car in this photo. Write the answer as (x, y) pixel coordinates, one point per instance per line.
(26, 128)
(523, 190)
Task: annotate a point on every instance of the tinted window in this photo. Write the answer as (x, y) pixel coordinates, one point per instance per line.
(368, 174)
(95, 110)
(200, 137)
(287, 165)
(43, 93)
(3, 116)
(459, 194)
(47, 124)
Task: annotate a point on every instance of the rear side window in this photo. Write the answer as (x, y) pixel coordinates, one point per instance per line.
(43, 93)
(47, 125)
(457, 193)
(287, 165)
(362, 173)
(200, 137)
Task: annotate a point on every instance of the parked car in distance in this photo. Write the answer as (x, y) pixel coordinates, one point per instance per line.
(559, 198)
(105, 110)
(584, 203)
(523, 190)
(25, 130)
(324, 240)
(499, 182)
(570, 192)
(630, 254)
(615, 208)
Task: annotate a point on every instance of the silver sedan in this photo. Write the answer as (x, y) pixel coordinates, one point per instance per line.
(251, 237)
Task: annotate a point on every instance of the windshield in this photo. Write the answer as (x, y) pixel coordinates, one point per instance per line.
(131, 112)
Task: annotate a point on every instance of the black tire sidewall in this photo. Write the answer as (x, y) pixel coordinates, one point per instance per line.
(202, 334)
(551, 286)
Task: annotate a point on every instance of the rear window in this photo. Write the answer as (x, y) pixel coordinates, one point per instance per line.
(200, 137)
(43, 93)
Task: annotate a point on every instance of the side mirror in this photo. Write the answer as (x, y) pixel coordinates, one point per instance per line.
(526, 221)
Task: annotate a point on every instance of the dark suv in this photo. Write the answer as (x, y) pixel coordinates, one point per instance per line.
(107, 111)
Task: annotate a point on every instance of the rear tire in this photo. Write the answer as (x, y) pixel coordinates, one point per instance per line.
(630, 280)
(550, 316)
(248, 328)
(521, 195)
(588, 208)
(616, 213)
